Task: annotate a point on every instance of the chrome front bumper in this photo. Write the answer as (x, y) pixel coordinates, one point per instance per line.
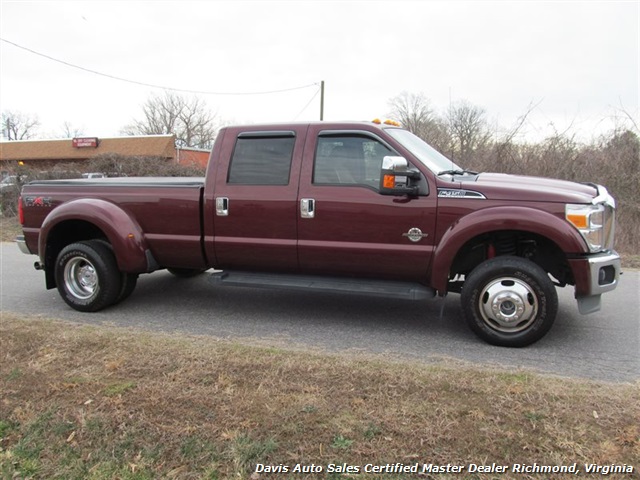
(604, 270)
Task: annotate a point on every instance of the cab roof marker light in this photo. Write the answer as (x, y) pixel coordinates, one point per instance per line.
(393, 123)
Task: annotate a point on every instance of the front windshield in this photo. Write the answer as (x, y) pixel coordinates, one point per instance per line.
(429, 156)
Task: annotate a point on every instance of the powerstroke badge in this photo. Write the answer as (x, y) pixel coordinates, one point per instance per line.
(458, 193)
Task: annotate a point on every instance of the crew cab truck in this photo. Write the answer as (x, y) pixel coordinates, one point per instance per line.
(365, 208)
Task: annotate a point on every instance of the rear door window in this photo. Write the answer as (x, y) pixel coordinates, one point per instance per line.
(261, 160)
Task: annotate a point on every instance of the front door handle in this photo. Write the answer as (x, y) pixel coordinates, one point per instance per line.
(307, 208)
(222, 206)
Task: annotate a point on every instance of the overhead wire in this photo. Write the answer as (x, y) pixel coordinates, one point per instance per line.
(308, 103)
(150, 85)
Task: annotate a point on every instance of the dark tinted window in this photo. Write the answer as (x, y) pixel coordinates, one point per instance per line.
(261, 161)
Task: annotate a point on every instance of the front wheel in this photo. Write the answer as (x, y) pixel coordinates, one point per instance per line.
(509, 301)
(87, 276)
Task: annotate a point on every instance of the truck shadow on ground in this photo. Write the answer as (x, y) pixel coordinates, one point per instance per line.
(590, 347)
(331, 320)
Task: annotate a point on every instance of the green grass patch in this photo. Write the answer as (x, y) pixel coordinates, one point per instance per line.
(119, 388)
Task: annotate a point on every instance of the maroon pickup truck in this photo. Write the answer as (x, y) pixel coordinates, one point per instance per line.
(360, 208)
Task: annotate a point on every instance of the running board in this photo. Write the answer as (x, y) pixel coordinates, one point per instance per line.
(352, 286)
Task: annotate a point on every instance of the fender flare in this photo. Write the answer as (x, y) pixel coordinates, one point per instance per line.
(124, 234)
(495, 219)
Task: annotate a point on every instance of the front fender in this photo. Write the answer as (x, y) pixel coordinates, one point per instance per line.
(495, 219)
(123, 232)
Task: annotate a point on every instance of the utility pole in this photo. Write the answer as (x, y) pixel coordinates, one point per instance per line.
(322, 100)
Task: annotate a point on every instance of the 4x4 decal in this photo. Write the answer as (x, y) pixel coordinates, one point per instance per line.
(38, 202)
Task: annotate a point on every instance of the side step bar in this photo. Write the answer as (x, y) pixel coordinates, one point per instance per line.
(376, 288)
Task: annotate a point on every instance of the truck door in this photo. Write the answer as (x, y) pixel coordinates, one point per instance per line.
(345, 226)
(256, 199)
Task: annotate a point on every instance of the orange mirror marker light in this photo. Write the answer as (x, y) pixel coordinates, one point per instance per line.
(389, 181)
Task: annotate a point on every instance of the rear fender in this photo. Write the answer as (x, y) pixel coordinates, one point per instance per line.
(123, 232)
(498, 219)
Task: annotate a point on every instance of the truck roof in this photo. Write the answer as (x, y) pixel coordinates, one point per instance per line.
(332, 124)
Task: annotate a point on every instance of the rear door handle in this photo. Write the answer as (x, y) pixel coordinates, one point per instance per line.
(307, 208)
(222, 206)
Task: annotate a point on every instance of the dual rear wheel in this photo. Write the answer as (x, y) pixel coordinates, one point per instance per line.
(89, 280)
(88, 277)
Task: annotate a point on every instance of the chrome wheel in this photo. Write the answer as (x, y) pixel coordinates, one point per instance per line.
(87, 276)
(508, 305)
(80, 278)
(509, 301)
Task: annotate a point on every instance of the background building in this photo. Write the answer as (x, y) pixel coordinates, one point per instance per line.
(46, 154)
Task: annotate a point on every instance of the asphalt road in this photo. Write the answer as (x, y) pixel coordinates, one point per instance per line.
(602, 346)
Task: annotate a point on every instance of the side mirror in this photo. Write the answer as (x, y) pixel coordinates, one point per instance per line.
(396, 178)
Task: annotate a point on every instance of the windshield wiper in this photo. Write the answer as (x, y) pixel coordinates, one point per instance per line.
(457, 172)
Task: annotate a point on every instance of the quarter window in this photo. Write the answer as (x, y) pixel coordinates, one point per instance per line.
(261, 161)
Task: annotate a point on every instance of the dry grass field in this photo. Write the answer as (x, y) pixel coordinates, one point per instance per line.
(84, 402)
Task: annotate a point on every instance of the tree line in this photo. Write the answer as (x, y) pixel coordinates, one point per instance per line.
(462, 132)
(188, 118)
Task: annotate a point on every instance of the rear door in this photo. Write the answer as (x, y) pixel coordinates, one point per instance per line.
(345, 226)
(256, 199)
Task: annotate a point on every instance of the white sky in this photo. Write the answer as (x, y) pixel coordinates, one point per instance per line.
(578, 60)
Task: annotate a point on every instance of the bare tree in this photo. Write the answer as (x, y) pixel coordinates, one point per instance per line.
(189, 119)
(19, 126)
(69, 131)
(411, 110)
(469, 128)
(415, 114)
(507, 151)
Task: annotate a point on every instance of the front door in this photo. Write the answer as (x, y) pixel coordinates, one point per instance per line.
(345, 226)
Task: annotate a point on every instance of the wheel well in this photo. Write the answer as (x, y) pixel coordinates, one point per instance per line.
(63, 234)
(531, 246)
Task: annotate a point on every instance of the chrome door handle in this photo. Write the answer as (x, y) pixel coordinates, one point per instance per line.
(307, 208)
(222, 206)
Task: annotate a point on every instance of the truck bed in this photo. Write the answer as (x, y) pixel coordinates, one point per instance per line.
(125, 181)
(168, 210)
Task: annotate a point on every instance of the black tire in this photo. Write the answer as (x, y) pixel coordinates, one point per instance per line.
(185, 272)
(509, 301)
(87, 276)
(129, 282)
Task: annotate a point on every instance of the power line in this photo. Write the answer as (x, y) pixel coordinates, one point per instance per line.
(135, 82)
(308, 103)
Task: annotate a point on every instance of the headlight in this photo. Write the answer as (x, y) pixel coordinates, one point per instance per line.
(594, 222)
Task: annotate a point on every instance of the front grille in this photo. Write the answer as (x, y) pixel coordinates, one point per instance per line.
(609, 227)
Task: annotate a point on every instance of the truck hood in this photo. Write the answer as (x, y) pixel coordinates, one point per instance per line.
(501, 186)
